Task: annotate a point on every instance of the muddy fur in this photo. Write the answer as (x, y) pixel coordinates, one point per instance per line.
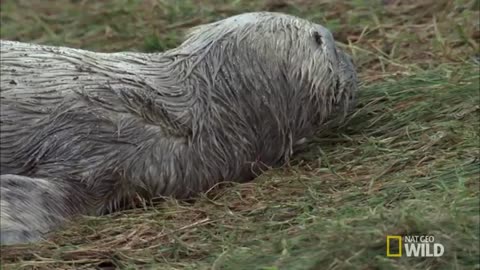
(85, 132)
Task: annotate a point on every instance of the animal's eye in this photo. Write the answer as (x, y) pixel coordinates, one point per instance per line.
(318, 38)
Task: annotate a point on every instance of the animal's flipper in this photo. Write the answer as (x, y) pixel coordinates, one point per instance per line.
(31, 207)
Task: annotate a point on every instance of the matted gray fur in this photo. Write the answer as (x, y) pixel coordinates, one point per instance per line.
(85, 132)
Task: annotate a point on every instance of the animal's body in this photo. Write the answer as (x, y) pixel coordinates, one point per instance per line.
(85, 132)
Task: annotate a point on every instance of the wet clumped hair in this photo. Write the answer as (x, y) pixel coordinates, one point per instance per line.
(85, 132)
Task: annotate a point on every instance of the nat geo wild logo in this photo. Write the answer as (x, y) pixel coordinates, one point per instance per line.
(413, 246)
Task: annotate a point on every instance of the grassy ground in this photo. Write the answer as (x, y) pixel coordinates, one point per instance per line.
(407, 162)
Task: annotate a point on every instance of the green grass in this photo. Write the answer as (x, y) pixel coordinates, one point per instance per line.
(407, 162)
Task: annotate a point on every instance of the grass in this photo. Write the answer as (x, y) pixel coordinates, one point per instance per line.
(407, 162)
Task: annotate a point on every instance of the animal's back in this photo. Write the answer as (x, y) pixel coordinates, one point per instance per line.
(38, 83)
(67, 138)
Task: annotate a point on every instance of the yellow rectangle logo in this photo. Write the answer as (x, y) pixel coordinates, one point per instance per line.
(399, 239)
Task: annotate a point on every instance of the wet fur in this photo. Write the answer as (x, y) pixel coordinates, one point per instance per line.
(85, 132)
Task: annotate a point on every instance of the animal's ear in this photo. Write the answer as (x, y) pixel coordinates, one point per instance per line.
(317, 37)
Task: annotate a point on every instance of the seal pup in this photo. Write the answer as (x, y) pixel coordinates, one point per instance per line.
(85, 132)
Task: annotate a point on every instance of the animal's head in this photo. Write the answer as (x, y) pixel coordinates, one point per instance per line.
(287, 65)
